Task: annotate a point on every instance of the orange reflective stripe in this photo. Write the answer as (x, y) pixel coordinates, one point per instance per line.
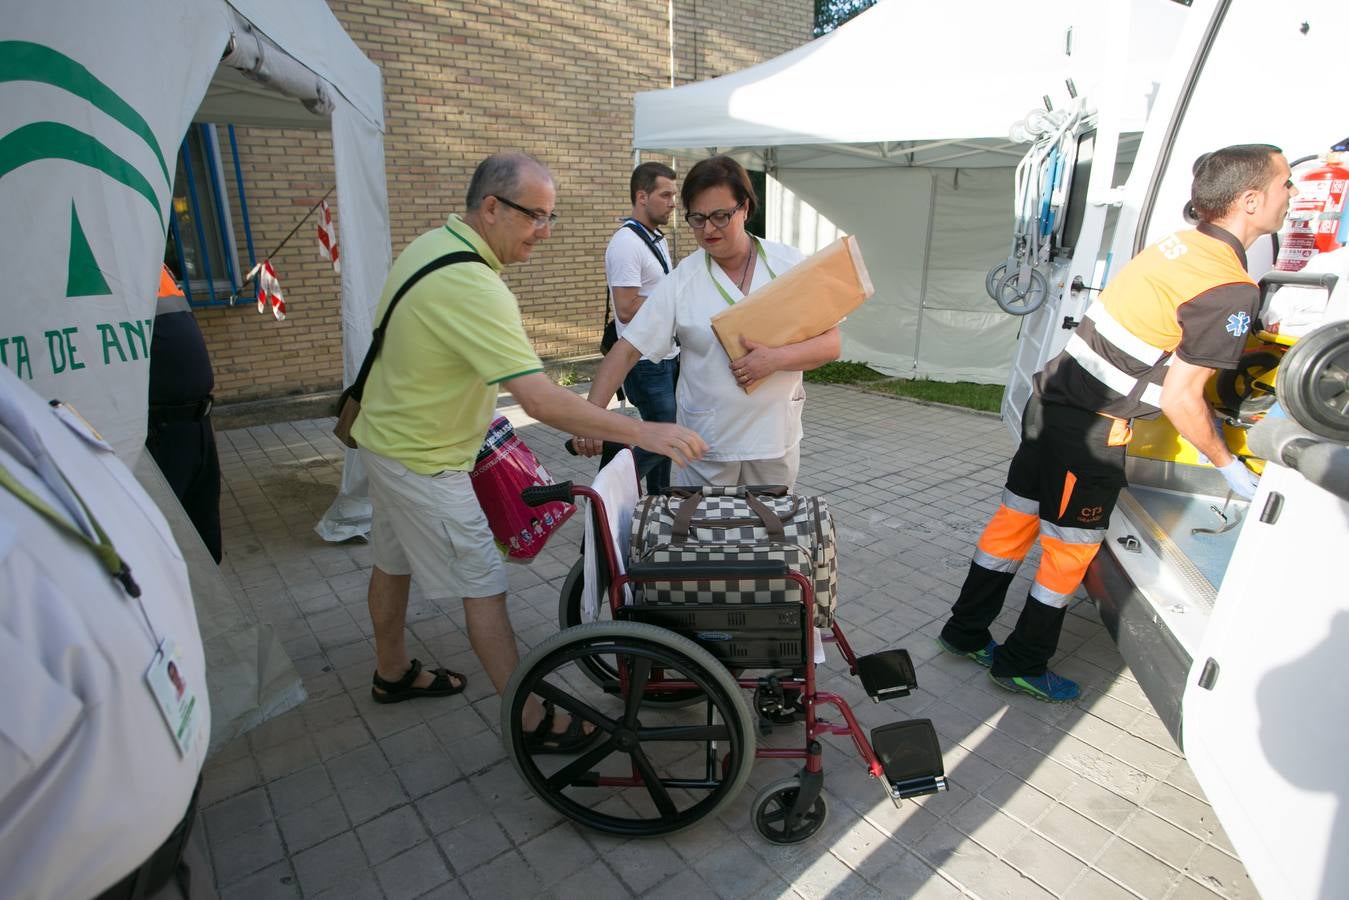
(1063, 565)
(1009, 534)
(167, 286)
(1120, 433)
(1069, 482)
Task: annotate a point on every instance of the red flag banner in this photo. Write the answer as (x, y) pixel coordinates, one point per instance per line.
(269, 291)
(328, 236)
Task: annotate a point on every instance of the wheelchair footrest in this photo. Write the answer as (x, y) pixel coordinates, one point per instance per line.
(887, 675)
(911, 757)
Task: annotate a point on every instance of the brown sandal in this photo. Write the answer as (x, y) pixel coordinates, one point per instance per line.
(397, 691)
(543, 739)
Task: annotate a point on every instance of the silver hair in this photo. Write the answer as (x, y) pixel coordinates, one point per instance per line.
(501, 173)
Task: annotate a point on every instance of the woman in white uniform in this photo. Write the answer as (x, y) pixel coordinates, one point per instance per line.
(752, 438)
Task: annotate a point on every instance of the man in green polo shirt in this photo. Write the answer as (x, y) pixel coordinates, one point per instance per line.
(455, 337)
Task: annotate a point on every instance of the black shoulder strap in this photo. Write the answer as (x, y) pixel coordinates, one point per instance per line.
(377, 340)
(641, 232)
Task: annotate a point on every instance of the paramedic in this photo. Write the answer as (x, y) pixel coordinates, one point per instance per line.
(178, 428)
(1178, 311)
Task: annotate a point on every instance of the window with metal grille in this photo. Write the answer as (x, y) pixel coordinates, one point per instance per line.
(201, 249)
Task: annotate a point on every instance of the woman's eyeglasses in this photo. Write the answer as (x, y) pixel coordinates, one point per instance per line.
(718, 217)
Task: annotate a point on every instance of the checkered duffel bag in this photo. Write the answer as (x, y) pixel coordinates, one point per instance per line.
(719, 524)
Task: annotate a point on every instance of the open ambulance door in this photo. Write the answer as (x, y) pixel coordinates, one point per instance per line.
(1266, 706)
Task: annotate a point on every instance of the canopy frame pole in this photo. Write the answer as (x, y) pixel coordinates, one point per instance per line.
(927, 259)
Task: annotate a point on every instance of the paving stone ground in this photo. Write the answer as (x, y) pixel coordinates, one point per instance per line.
(345, 798)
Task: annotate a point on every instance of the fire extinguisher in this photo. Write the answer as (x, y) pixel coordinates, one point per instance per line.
(1316, 221)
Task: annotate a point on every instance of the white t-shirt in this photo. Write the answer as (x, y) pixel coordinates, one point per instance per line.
(629, 262)
(91, 781)
(736, 425)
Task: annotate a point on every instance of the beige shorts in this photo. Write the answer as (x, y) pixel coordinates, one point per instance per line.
(707, 472)
(432, 528)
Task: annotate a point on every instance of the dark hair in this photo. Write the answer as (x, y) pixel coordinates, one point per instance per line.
(644, 178)
(500, 174)
(716, 171)
(1224, 175)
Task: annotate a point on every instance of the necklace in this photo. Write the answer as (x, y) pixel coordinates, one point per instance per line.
(758, 249)
(744, 273)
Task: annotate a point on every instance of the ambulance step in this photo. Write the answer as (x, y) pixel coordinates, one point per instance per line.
(911, 757)
(887, 675)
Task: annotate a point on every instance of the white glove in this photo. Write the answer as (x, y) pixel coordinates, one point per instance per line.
(1240, 479)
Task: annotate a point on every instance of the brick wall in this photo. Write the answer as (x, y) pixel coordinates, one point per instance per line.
(461, 80)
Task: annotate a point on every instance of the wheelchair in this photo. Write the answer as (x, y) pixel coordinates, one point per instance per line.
(665, 685)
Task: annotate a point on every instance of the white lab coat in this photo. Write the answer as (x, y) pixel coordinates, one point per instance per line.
(91, 782)
(735, 425)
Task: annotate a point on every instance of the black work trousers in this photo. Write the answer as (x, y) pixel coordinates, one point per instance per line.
(1062, 486)
(186, 454)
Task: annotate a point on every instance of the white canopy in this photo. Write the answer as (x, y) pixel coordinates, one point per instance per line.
(90, 121)
(875, 129)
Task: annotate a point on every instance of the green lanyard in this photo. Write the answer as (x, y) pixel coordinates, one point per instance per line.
(102, 549)
(721, 290)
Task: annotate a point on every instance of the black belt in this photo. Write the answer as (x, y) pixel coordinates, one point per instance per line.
(190, 411)
(151, 875)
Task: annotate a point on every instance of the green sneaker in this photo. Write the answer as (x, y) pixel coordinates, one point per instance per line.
(1048, 687)
(983, 657)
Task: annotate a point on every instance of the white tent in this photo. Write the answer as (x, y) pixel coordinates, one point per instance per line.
(893, 128)
(95, 98)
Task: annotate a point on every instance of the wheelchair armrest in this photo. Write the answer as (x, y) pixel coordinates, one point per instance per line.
(703, 571)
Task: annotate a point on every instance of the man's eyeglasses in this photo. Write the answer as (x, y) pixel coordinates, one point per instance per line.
(540, 218)
(718, 217)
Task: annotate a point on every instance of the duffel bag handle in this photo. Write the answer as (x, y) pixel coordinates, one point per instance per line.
(743, 490)
(737, 523)
(683, 519)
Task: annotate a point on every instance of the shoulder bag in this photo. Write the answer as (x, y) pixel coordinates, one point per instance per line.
(349, 403)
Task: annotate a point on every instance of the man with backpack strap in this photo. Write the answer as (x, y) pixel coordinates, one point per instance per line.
(455, 336)
(635, 261)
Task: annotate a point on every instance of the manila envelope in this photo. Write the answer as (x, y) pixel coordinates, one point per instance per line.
(804, 301)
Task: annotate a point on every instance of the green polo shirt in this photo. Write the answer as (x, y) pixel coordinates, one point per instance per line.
(452, 339)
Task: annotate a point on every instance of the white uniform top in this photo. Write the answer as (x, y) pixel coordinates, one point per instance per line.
(736, 425)
(629, 262)
(91, 782)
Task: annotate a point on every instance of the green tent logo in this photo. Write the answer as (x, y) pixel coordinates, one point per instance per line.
(26, 61)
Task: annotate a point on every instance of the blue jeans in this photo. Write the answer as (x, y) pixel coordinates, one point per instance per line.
(651, 388)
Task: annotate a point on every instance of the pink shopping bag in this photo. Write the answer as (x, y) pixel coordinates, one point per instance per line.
(504, 468)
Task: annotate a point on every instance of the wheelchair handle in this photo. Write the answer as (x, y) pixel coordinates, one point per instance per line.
(610, 447)
(610, 450)
(547, 493)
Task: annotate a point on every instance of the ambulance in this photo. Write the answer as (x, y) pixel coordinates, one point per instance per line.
(1233, 616)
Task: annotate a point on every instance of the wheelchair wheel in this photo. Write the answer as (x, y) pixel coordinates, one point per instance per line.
(653, 771)
(1011, 299)
(994, 278)
(772, 808)
(598, 668)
